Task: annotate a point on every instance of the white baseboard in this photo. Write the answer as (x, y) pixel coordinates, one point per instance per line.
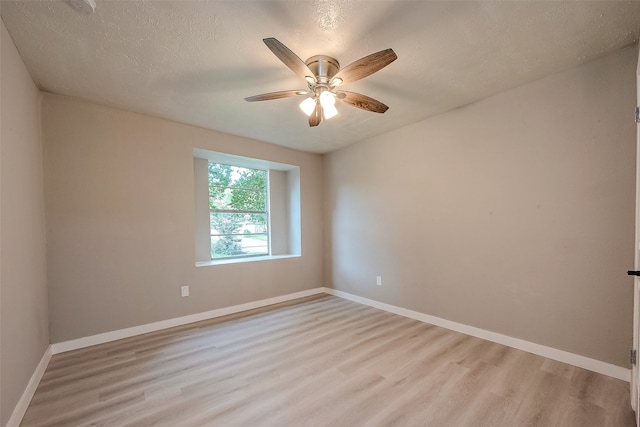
(61, 347)
(541, 350)
(29, 391)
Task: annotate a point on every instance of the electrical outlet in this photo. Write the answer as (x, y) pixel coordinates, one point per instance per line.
(379, 280)
(184, 291)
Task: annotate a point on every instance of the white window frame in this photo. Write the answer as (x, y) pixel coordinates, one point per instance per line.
(233, 211)
(284, 207)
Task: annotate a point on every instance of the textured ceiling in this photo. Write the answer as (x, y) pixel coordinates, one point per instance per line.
(195, 61)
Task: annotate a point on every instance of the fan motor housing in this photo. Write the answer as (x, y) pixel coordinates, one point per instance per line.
(324, 67)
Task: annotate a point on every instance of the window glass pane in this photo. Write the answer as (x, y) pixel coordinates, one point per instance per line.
(236, 177)
(238, 223)
(248, 178)
(255, 224)
(226, 223)
(248, 200)
(239, 199)
(254, 244)
(245, 233)
(235, 234)
(219, 180)
(232, 187)
(243, 245)
(225, 246)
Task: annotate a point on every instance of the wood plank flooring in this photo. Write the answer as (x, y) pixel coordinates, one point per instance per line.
(319, 361)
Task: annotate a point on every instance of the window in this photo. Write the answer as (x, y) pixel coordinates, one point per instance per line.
(239, 215)
(245, 209)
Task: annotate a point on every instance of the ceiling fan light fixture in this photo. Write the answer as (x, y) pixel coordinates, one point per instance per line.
(327, 98)
(323, 75)
(308, 105)
(328, 102)
(329, 111)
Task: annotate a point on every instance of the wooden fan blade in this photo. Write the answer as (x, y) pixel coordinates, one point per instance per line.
(275, 95)
(316, 117)
(290, 59)
(366, 66)
(362, 101)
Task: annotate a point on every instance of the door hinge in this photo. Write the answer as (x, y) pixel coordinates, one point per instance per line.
(637, 114)
(633, 357)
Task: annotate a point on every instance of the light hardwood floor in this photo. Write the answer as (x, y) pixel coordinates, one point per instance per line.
(320, 361)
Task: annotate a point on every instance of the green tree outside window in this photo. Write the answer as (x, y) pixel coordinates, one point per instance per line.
(238, 211)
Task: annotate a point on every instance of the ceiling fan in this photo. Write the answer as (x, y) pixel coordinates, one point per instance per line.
(324, 76)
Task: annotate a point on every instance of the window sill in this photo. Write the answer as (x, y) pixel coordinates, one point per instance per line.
(247, 259)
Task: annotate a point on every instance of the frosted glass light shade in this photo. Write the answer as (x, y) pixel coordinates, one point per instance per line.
(308, 105)
(328, 101)
(327, 98)
(329, 111)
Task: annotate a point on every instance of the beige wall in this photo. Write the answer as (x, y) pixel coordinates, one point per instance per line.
(514, 214)
(120, 221)
(24, 334)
